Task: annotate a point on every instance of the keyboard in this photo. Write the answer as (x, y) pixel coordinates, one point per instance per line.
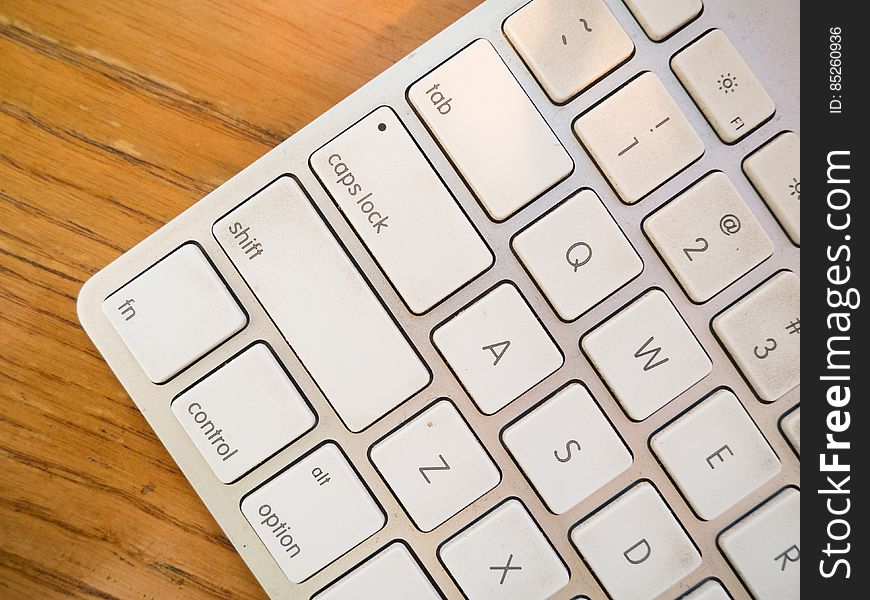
(519, 319)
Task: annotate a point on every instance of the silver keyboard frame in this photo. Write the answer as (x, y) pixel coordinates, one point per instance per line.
(767, 35)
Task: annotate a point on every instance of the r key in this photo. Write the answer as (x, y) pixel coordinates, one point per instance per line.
(764, 547)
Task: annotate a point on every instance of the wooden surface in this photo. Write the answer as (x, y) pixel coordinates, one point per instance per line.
(114, 117)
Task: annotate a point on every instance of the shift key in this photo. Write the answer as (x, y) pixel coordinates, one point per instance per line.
(401, 210)
(326, 311)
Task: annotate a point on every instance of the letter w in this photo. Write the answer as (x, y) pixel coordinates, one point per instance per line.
(652, 353)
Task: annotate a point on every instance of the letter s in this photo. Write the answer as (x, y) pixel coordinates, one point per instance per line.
(833, 570)
(567, 451)
(235, 227)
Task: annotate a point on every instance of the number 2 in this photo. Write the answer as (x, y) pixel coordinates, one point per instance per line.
(703, 248)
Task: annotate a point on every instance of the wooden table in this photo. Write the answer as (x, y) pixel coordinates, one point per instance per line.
(114, 117)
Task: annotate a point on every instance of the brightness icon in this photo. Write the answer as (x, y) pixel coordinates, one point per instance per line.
(795, 187)
(727, 83)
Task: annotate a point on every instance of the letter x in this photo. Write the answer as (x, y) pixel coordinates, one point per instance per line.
(505, 569)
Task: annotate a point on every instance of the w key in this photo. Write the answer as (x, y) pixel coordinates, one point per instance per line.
(646, 354)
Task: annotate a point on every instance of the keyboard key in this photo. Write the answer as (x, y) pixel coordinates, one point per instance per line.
(401, 210)
(709, 590)
(708, 237)
(790, 425)
(568, 44)
(392, 574)
(577, 254)
(646, 354)
(504, 556)
(174, 313)
(761, 332)
(321, 304)
(490, 130)
(313, 512)
(497, 348)
(567, 448)
(243, 413)
(775, 171)
(635, 545)
(435, 465)
(639, 137)
(764, 547)
(661, 18)
(723, 86)
(715, 454)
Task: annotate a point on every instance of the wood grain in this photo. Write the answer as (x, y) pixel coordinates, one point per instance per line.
(114, 117)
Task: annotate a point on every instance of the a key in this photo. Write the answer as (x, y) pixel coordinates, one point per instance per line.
(775, 171)
(174, 313)
(715, 454)
(723, 86)
(401, 210)
(243, 413)
(490, 130)
(504, 556)
(638, 137)
(761, 332)
(790, 424)
(567, 448)
(568, 44)
(577, 254)
(497, 348)
(321, 304)
(764, 547)
(313, 512)
(635, 545)
(708, 237)
(391, 574)
(646, 354)
(660, 18)
(435, 465)
(709, 590)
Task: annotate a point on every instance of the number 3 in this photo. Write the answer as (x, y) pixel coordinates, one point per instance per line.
(768, 348)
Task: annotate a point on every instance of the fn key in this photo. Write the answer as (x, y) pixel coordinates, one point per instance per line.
(174, 312)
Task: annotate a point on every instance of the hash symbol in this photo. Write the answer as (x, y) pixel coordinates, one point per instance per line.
(794, 327)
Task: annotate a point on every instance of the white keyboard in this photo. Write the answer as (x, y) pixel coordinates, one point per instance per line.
(518, 320)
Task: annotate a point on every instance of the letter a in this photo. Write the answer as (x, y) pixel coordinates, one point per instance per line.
(498, 349)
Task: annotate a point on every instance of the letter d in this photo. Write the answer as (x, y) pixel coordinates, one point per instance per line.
(636, 558)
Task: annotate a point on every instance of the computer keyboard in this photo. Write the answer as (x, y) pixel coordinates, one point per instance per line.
(518, 320)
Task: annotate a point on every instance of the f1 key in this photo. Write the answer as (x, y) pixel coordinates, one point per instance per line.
(723, 86)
